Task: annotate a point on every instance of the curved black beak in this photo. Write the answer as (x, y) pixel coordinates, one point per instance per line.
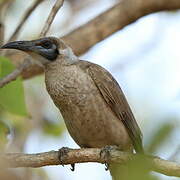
(35, 47)
(20, 45)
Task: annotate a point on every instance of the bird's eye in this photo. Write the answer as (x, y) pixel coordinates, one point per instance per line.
(46, 45)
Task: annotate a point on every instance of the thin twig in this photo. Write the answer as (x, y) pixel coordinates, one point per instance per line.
(3, 10)
(107, 23)
(13, 76)
(72, 156)
(51, 17)
(26, 15)
(1, 33)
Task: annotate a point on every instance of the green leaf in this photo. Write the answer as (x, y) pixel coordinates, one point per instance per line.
(137, 168)
(4, 131)
(12, 94)
(159, 137)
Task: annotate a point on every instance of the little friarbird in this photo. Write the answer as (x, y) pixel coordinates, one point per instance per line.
(94, 108)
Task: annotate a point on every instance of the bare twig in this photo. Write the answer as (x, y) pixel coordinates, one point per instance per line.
(3, 9)
(85, 155)
(51, 17)
(13, 76)
(26, 63)
(1, 33)
(26, 15)
(112, 20)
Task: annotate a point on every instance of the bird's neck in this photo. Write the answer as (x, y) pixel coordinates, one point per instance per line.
(61, 62)
(67, 57)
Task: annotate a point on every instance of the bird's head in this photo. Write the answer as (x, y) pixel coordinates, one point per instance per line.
(44, 50)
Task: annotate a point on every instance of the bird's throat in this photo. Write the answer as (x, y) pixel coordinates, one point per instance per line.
(68, 56)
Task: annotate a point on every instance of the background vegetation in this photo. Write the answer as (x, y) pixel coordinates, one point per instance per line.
(143, 57)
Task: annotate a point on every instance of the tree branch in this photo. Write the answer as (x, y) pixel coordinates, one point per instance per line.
(3, 10)
(112, 20)
(25, 17)
(14, 160)
(1, 33)
(14, 75)
(51, 17)
(27, 61)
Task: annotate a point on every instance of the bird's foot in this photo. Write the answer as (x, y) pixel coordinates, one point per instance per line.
(105, 154)
(72, 167)
(62, 155)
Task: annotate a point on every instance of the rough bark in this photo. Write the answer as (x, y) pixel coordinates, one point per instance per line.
(72, 156)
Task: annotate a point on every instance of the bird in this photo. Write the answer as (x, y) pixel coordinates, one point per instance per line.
(93, 105)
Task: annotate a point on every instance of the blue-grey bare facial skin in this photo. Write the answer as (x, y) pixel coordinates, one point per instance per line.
(44, 47)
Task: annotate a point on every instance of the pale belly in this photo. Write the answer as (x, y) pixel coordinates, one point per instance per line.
(89, 120)
(93, 124)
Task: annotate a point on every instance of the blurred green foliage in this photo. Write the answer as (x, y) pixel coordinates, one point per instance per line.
(139, 168)
(53, 128)
(4, 131)
(159, 137)
(1, 1)
(11, 95)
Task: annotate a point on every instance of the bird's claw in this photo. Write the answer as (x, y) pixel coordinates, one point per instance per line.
(72, 167)
(106, 166)
(61, 156)
(105, 154)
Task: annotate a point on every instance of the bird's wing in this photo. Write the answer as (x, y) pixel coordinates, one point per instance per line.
(115, 98)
